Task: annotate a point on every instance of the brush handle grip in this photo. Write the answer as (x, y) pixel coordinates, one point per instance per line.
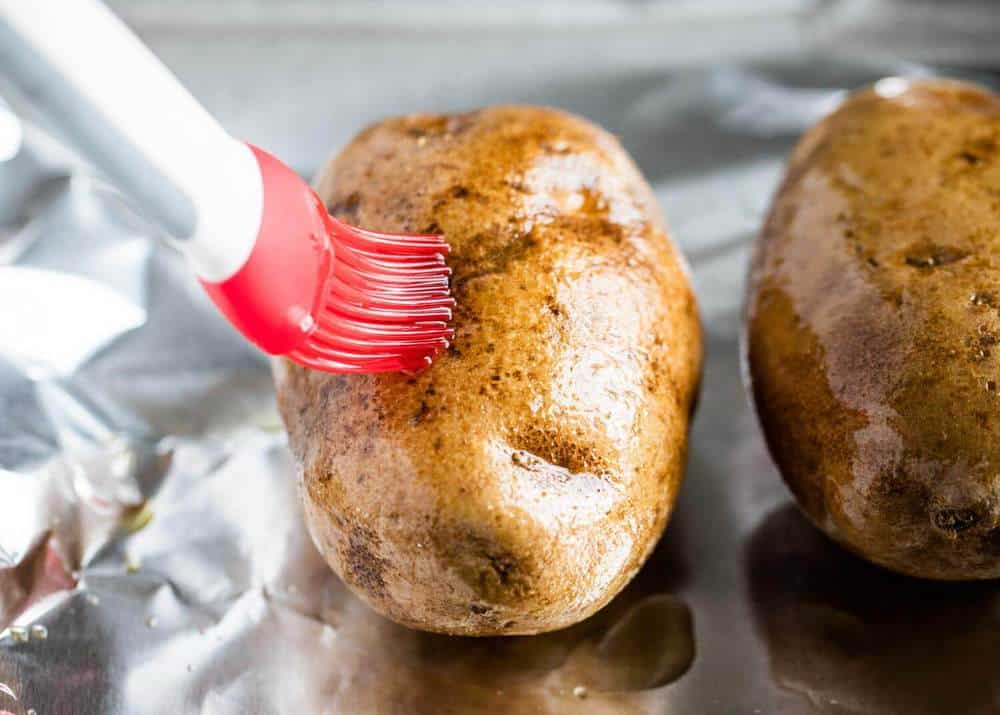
(124, 110)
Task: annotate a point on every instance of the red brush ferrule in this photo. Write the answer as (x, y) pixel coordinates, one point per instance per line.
(272, 299)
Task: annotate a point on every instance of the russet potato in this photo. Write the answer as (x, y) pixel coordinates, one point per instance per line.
(873, 327)
(520, 482)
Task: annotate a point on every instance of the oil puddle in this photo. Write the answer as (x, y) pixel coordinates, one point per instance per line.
(652, 645)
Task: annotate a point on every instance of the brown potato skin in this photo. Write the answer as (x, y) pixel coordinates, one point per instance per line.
(519, 483)
(873, 327)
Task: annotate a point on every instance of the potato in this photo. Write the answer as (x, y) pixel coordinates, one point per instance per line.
(873, 327)
(519, 483)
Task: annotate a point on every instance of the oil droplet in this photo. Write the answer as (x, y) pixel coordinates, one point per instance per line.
(307, 323)
(651, 645)
(982, 299)
(137, 519)
(19, 634)
(131, 564)
(559, 146)
(151, 622)
(123, 459)
(580, 692)
(31, 711)
(93, 599)
(39, 632)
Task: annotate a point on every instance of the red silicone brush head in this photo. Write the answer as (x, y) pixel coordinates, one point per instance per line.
(333, 297)
(386, 304)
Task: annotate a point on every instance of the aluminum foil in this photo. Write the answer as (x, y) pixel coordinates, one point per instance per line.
(152, 554)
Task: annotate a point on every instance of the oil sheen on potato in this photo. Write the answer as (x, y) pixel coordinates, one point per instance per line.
(873, 327)
(519, 483)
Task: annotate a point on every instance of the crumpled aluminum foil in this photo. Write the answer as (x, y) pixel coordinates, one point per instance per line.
(152, 554)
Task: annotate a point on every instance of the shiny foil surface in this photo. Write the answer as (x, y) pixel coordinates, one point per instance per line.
(153, 557)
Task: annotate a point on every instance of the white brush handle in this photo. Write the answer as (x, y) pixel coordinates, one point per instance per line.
(127, 113)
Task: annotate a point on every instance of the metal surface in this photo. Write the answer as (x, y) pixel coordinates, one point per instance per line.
(152, 554)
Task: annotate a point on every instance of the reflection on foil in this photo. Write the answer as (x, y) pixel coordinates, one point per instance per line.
(149, 525)
(10, 133)
(62, 319)
(853, 638)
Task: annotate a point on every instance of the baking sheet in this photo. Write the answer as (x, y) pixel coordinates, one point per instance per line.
(152, 555)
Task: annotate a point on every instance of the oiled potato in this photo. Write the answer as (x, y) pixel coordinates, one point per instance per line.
(874, 327)
(520, 482)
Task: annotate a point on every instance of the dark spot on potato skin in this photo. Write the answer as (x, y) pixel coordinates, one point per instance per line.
(364, 568)
(970, 158)
(421, 413)
(991, 542)
(496, 575)
(932, 256)
(492, 254)
(535, 443)
(347, 209)
(955, 520)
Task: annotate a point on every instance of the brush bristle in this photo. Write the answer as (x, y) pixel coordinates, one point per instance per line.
(387, 304)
